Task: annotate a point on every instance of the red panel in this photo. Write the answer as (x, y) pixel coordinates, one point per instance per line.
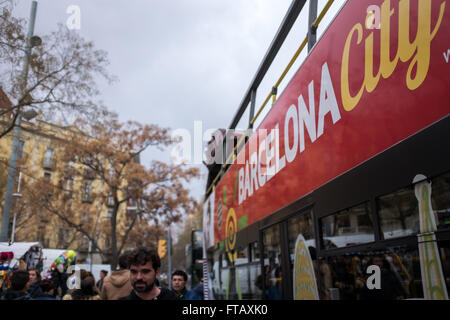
(388, 114)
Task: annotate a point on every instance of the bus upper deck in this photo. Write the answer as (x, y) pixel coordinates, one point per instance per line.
(349, 169)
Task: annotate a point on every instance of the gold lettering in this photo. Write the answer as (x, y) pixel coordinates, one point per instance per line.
(387, 66)
(348, 101)
(417, 52)
(405, 48)
(421, 61)
(370, 81)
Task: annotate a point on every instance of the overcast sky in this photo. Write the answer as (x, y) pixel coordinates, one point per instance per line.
(179, 61)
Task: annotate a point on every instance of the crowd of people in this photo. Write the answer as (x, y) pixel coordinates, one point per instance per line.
(135, 279)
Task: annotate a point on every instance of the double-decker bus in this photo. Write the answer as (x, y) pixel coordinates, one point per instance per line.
(343, 190)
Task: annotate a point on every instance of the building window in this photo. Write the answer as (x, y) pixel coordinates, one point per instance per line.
(48, 158)
(87, 191)
(68, 187)
(132, 205)
(109, 213)
(47, 174)
(110, 201)
(69, 184)
(111, 172)
(348, 227)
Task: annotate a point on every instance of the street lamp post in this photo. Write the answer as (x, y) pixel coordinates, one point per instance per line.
(31, 41)
(169, 257)
(17, 196)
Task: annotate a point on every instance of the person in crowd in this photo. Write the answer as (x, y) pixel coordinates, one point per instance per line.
(322, 269)
(144, 265)
(47, 290)
(199, 289)
(179, 278)
(273, 279)
(19, 285)
(86, 292)
(117, 284)
(391, 288)
(91, 275)
(6, 282)
(344, 278)
(60, 280)
(85, 274)
(164, 282)
(103, 274)
(34, 289)
(92, 280)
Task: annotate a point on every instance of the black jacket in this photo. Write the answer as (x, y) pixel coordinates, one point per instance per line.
(45, 296)
(391, 288)
(165, 294)
(34, 290)
(15, 295)
(60, 280)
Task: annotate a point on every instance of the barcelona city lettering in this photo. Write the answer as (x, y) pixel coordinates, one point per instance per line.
(417, 52)
(266, 158)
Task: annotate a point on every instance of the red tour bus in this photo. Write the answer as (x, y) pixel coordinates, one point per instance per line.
(347, 178)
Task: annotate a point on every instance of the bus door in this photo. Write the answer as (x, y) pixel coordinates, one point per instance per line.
(278, 243)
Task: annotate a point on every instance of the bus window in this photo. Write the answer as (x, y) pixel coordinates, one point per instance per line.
(444, 253)
(400, 276)
(197, 257)
(254, 252)
(399, 211)
(348, 227)
(216, 279)
(301, 224)
(399, 214)
(243, 274)
(272, 263)
(256, 286)
(242, 256)
(440, 200)
(255, 282)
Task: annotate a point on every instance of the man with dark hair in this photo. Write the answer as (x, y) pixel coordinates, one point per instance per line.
(117, 284)
(103, 274)
(47, 290)
(199, 289)
(19, 285)
(144, 265)
(179, 278)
